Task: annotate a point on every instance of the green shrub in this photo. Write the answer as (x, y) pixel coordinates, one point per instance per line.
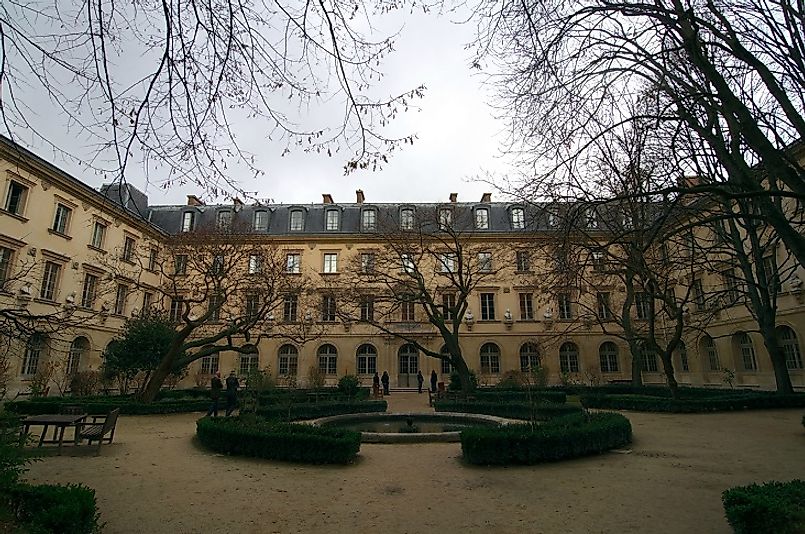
(296, 411)
(69, 509)
(515, 410)
(278, 441)
(523, 395)
(727, 401)
(101, 405)
(348, 385)
(565, 437)
(777, 507)
(455, 381)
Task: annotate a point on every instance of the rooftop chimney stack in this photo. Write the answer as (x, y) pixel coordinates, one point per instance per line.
(327, 198)
(359, 195)
(453, 197)
(193, 200)
(487, 197)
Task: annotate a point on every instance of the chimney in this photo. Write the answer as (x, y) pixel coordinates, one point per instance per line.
(487, 197)
(453, 197)
(687, 182)
(359, 194)
(327, 198)
(193, 200)
(237, 204)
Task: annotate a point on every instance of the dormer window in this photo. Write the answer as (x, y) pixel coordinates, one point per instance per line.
(297, 221)
(188, 221)
(407, 219)
(518, 218)
(224, 218)
(592, 219)
(368, 220)
(260, 221)
(331, 220)
(482, 218)
(553, 220)
(445, 218)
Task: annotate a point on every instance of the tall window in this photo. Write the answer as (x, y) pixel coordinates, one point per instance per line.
(297, 221)
(368, 220)
(34, 349)
(176, 309)
(569, 358)
(288, 360)
(649, 360)
(526, 307)
(487, 306)
(331, 262)
(490, 359)
(565, 306)
(445, 218)
(180, 264)
(698, 295)
(188, 221)
(407, 263)
(328, 308)
(643, 304)
(216, 302)
(249, 363)
(604, 309)
(518, 218)
(407, 309)
(209, 364)
(120, 298)
(331, 220)
(598, 261)
(78, 349)
(367, 305)
(260, 221)
(485, 262)
(290, 308)
(447, 262)
(217, 264)
(406, 219)
(128, 248)
(592, 219)
(328, 359)
(153, 253)
(770, 270)
(293, 263)
(252, 305)
(98, 235)
(608, 354)
(747, 352)
(255, 263)
(61, 219)
(224, 218)
(708, 350)
(89, 292)
(790, 346)
(449, 306)
(447, 367)
(367, 262)
(481, 218)
(50, 281)
(15, 198)
(529, 357)
(682, 351)
(523, 260)
(148, 299)
(367, 359)
(6, 254)
(730, 286)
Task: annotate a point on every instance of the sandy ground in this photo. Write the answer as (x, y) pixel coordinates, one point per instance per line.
(155, 478)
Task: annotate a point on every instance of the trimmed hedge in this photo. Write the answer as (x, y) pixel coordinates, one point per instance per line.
(725, 402)
(278, 441)
(102, 405)
(565, 437)
(515, 410)
(777, 507)
(321, 409)
(505, 395)
(685, 392)
(273, 394)
(47, 508)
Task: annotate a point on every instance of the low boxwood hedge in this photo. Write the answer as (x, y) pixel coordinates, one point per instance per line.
(278, 441)
(515, 410)
(565, 437)
(305, 410)
(503, 395)
(724, 402)
(777, 507)
(46, 508)
(102, 405)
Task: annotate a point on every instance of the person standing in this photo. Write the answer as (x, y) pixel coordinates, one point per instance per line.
(232, 385)
(215, 393)
(433, 380)
(376, 385)
(385, 380)
(419, 380)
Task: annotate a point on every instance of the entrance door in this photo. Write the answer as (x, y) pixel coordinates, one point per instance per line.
(408, 357)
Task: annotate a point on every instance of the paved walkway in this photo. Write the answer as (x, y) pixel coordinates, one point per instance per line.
(408, 401)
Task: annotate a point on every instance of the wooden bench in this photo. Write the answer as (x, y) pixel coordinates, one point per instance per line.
(98, 429)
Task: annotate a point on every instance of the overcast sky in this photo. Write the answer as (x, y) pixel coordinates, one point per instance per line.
(458, 137)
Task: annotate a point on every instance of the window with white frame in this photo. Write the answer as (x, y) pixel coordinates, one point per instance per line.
(523, 258)
(482, 218)
(288, 360)
(214, 306)
(252, 305)
(153, 254)
(218, 264)
(330, 262)
(518, 218)
(260, 221)
(448, 306)
(708, 350)
(328, 359)
(328, 309)
(598, 260)
(487, 306)
(35, 349)
(77, 352)
(293, 263)
(209, 364)
(180, 264)
(529, 357)
(407, 308)
(331, 220)
(15, 198)
(128, 249)
(120, 298)
(255, 263)
(50, 281)
(747, 352)
(297, 221)
(592, 219)
(407, 219)
(369, 220)
(485, 262)
(367, 262)
(223, 218)
(526, 307)
(790, 346)
(249, 363)
(604, 307)
(367, 359)
(98, 235)
(407, 263)
(682, 352)
(6, 257)
(176, 309)
(445, 218)
(447, 367)
(565, 306)
(148, 300)
(698, 295)
(447, 262)
(367, 308)
(188, 221)
(649, 358)
(490, 359)
(643, 303)
(61, 220)
(569, 357)
(89, 291)
(608, 356)
(290, 308)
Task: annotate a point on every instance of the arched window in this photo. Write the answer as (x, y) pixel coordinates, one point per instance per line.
(209, 363)
(707, 350)
(569, 358)
(447, 367)
(744, 343)
(249, 362)
(490, 359)
(35, 349)
(367, 359)
(288, 360)
(529, 357)
(78, 349)
(328, 358)
(787, 339)
(608, 354)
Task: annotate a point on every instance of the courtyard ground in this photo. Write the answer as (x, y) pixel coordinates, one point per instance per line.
(155, 478)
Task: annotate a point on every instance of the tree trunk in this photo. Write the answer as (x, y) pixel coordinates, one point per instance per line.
(670, 379)
(463, 371)
(158, 377)
(637, 365)
(777, 357)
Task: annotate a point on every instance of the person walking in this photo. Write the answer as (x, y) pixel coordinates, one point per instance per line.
(419, 381)
(232, 385)
(433, 380)
(215, 393)
(385, 380)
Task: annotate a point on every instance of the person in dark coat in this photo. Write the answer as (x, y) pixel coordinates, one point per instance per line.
(376, 385)
(419, 380)
(433, 380)
(232, 385)
(215, 393)
(385, 380)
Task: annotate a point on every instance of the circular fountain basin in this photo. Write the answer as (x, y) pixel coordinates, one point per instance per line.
(395, 428)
